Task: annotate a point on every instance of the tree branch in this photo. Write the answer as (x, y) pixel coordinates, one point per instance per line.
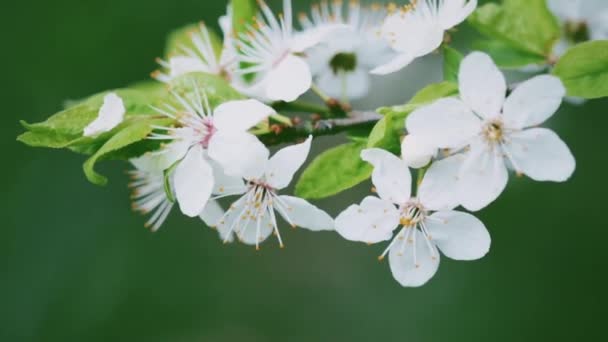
(301, 130)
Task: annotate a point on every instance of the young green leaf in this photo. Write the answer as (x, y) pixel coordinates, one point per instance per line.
(334, 171)
(525, 25)
(584, 70)
(451, 63)
(508, 57)
(386, 134)
(425, 96)
(137, 130)
(243, 13)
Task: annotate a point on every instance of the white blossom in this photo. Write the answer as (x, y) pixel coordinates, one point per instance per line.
(418, 29)
(342, 61)
(426, 224)
(272, 50)
(252, 217)
(492, 132)
(148, 185)
(204, 57)
(211, 143)
(110, 115)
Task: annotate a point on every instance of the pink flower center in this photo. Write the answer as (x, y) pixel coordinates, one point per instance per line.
(210, 130)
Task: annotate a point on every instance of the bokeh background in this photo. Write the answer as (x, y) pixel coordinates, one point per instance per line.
(77, 265)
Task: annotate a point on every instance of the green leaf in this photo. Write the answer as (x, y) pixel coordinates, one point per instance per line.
(506, 56)
(584, 70)
(385, 135)
(216, 88)
(180, 40)
(138, 130)
(451, 63)
(526, 25)
(425, 96)
(243, 12)
(334, 171)
(65, 129)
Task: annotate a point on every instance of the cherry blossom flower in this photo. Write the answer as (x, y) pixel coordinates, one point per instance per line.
(148, 184)
(252, 217)
(418, 29)
(209, 139)
(204, 58)
(426, 224)
(110, 115)
(493, 133)
(342, 61)
(273, 52)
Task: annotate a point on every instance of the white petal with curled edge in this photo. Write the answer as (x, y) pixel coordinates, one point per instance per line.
(458, 235)
(533, 101)
(440, 185)
(252, 231)
(483, 176)
(446, 122)
(239, 116)
(305, 215)
(397, 63)
(391, 176)
(540, 154)
(454, 12)
(482, 86)
(239, 154)
(288, 80)
(371, 222)
(193, 181)
(182, 65)
(285, 163)
(110, 115)
(212, 214)
(411, 260)
(417, 151)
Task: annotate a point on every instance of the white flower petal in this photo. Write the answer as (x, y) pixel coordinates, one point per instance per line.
(397, 63)
(391, 176)
(482, 85)
(440, 186)
(417, 151)
(566, 10)
(483, 177)
(193, 181)
(285, 163)
(447, 123)
(240, 154)
(411, 260)
(254, 231)
(225, 185)
(288, 80)
(110, 115)
(305, 40)
(305, 215)
(413, 32)
(459, 236)
(533, 102)
(454, 12)
(541, 155)
(212, 214)
(161, 160)
(371, 222)
(354, 85)
(239, 116)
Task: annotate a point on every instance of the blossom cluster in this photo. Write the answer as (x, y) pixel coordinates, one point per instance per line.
(463, 146)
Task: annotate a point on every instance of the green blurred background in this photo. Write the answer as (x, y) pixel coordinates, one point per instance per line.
(77, 264)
